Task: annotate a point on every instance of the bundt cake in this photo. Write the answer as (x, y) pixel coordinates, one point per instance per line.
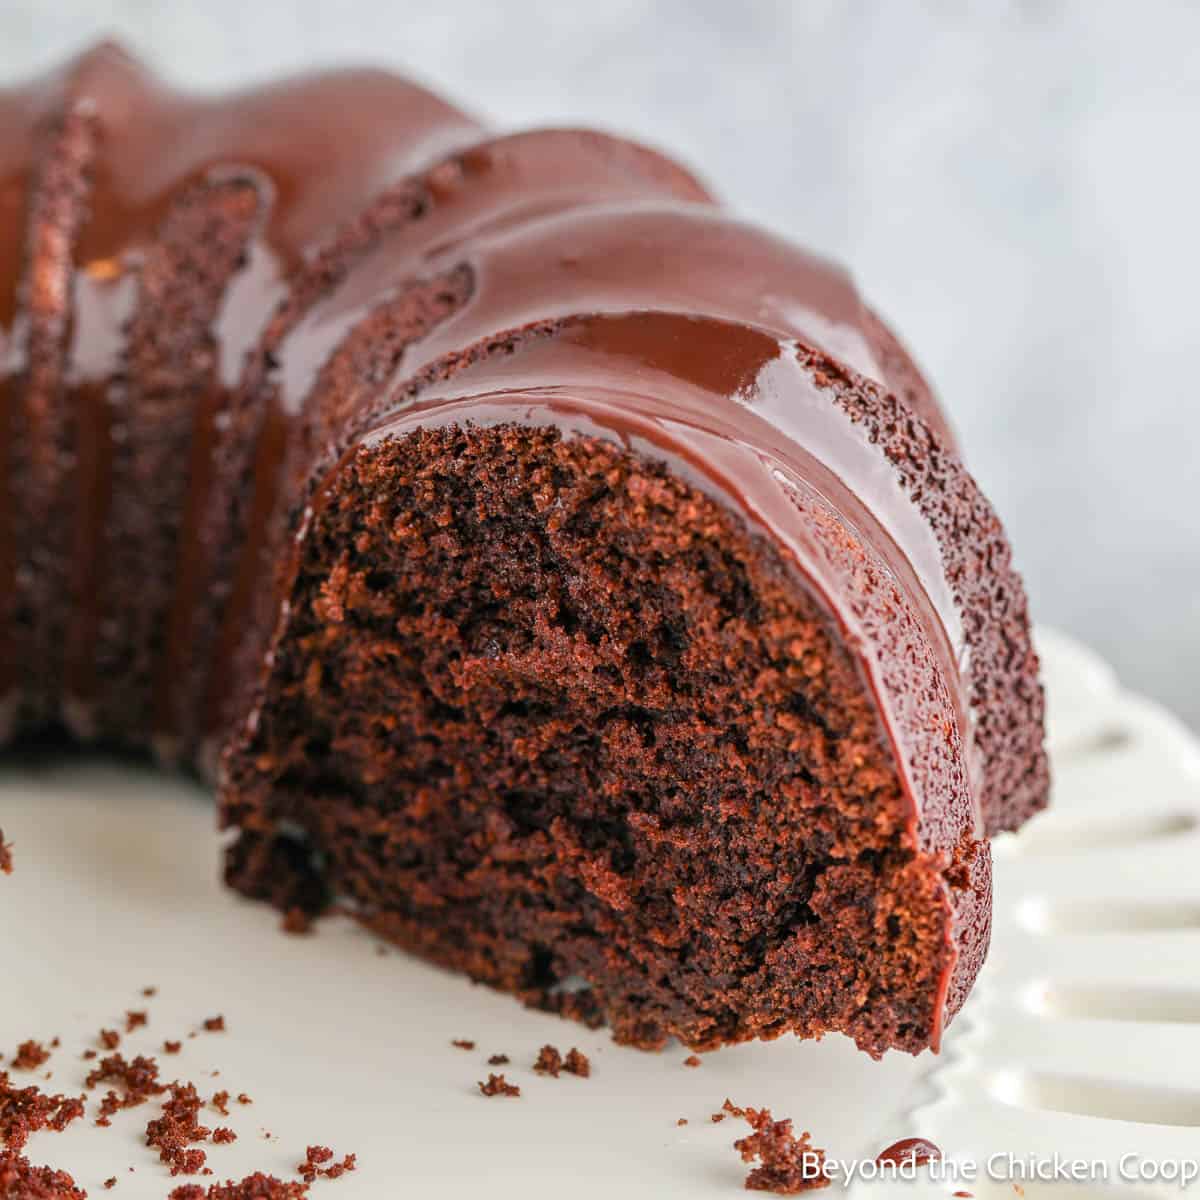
(577, 585)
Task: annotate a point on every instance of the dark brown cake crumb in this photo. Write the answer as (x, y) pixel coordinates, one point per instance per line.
(313, 1165)
(497, 1085)
(6, 856)
(692, 1060)
(137, 1079)
(254, 1187)
(175, 1133)
(110, 1182)
(26, 1110)
(30, 1055)
(220, 1102)
(110, 1039)
(787, 1164)
(20, 1180)
(135, 1020)
(682, 1121)
(88, 1055)
(499, 1060)
(150, 991)
(549, 1061)
(223, 1135)
(244, 1099)
(717, 1118)
(214, 1024)
(577, 1063)
(463, 1043)
(170, 1047)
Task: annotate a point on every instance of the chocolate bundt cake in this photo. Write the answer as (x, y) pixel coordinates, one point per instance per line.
(580, 586)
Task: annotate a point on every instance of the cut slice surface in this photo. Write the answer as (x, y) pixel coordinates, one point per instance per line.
(545, 712)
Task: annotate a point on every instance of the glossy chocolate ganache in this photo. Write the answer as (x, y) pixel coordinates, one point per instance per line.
(568, 579)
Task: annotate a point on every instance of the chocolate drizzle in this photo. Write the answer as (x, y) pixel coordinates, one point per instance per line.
(148, 147)
(18, 121)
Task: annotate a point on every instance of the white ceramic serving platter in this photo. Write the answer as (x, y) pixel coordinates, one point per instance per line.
(1083, 1034)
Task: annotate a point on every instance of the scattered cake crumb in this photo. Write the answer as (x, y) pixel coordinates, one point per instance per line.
(497, 1085)
(463, 1043)
(692, 1060)
(26, 1110)
(254, 1187)
(6, 855)
(20, 1180)
(549, 1061)
(577, 1063)
(682, 1121)
(149, 991)
(717, 1117)
(175, 1133)
(138, 1081)
(315, 1158)
(786, 1162)
(30, 1055)
(499, 1060)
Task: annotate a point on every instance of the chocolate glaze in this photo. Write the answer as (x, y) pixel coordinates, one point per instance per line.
(19, 114)
(360, 131)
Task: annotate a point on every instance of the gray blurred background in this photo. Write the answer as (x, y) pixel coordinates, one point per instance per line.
(1016, 186)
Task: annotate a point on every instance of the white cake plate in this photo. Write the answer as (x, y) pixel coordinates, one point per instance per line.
(1083, 1036)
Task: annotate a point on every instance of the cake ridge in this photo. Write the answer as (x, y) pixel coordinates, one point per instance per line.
(153, 145)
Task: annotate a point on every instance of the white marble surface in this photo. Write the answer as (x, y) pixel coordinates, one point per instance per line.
(1016, 186)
